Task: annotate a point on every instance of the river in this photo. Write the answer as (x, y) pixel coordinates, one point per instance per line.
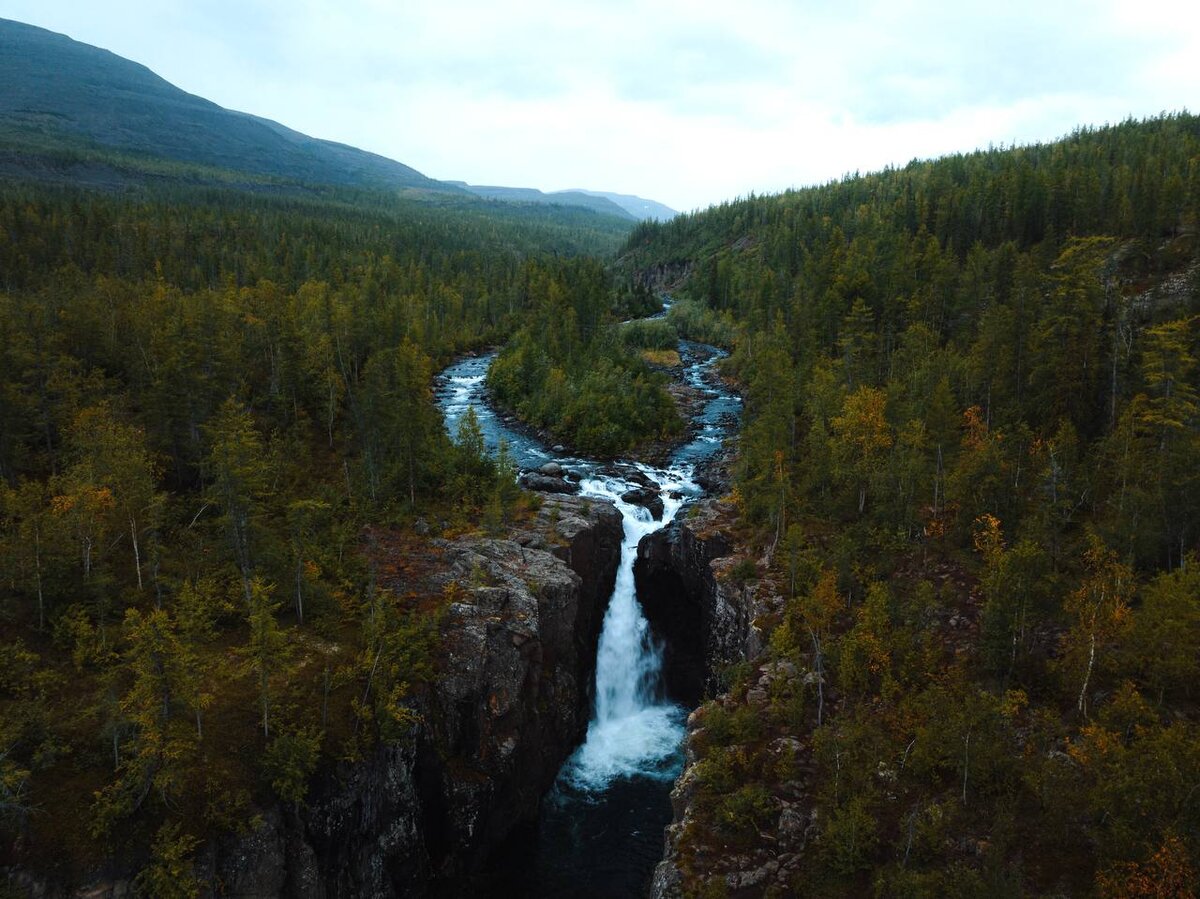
(600, 831)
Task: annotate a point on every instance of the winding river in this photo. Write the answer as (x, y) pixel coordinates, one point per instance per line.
(600, 832)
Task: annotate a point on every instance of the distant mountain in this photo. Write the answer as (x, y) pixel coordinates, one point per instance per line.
(595, 202)
(624, 205)
(639, 207)
(59, 91)
(62, 96)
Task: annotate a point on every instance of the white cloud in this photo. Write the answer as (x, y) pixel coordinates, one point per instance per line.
(685, 102)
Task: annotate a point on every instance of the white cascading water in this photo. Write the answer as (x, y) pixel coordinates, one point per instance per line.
(600, 829)
(635, 730)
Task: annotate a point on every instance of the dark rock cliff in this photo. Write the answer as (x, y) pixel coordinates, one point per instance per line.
(665, 275)
(706, 619)
(511, 701)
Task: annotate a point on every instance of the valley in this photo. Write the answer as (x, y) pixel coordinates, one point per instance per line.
(368, 534)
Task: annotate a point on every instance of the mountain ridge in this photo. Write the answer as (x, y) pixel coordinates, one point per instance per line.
(63, 95)
(640, 208)
(58, 87)
(533, 195)
(627, 206)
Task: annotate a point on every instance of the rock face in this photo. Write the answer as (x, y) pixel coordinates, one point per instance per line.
(511, 701)
(665, 275)
(750, 872)
(707, 622)
(710, 620)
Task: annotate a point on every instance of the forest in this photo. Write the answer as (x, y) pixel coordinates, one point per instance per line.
(572, 370)
(210, 398)
(970, 465)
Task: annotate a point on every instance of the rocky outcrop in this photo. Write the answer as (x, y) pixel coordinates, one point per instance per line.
(665, 275)
(699, 595)
(514, 696)
(706, 617)
(511, 701)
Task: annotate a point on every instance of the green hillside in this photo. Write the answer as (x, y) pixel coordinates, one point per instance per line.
(60, 94)
(209, 396)
(969, 475)
(532, 195)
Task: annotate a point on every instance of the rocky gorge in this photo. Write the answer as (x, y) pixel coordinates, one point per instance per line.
(699, 618)
(511, 701)
(514, 685)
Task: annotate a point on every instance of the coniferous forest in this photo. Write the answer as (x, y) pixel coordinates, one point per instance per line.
(208, 397)
(971, 466)
(967, 484)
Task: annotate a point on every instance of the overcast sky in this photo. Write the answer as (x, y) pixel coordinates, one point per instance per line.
(688, 102)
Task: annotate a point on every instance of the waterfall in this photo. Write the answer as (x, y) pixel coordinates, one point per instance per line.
(634, 729)
(601, 825)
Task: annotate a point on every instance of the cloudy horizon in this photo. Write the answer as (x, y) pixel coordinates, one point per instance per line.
(685, 103)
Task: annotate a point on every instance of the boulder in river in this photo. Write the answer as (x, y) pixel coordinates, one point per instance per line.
(639, 477)
(647, 499)
(628, 473)
(532, 480)
(552, 469)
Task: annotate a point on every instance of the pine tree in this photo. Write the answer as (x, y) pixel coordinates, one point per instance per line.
(237, 470)
(267, 650)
